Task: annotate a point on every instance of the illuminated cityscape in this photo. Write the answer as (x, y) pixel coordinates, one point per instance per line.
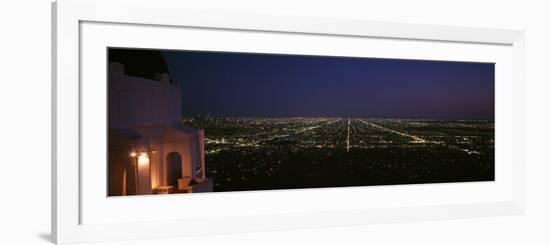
(278, 153)
(188, 121)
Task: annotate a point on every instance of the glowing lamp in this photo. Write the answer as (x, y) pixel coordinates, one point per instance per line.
(143, 158)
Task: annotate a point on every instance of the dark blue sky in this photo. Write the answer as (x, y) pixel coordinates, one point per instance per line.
(266, 85)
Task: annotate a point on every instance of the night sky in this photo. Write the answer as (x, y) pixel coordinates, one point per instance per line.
(266, 85)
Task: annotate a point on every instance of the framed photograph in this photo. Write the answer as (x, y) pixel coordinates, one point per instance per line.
(177, 122)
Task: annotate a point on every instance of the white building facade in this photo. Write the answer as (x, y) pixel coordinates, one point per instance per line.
(150, 150)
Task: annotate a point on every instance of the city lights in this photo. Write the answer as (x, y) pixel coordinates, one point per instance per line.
(344, 151)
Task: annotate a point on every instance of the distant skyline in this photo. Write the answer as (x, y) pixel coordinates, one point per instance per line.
(273, 85)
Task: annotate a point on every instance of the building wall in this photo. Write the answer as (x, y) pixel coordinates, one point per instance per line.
(152, 108)
(119, 165)
(135, 101)
(165, 140)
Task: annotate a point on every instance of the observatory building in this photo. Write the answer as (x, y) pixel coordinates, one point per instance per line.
(150, 150)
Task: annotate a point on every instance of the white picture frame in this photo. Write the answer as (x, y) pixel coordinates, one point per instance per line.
(68, 17)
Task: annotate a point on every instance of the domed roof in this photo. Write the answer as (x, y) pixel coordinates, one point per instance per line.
(139, 62)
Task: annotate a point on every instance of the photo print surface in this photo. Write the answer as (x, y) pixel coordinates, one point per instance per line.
(203, 121)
